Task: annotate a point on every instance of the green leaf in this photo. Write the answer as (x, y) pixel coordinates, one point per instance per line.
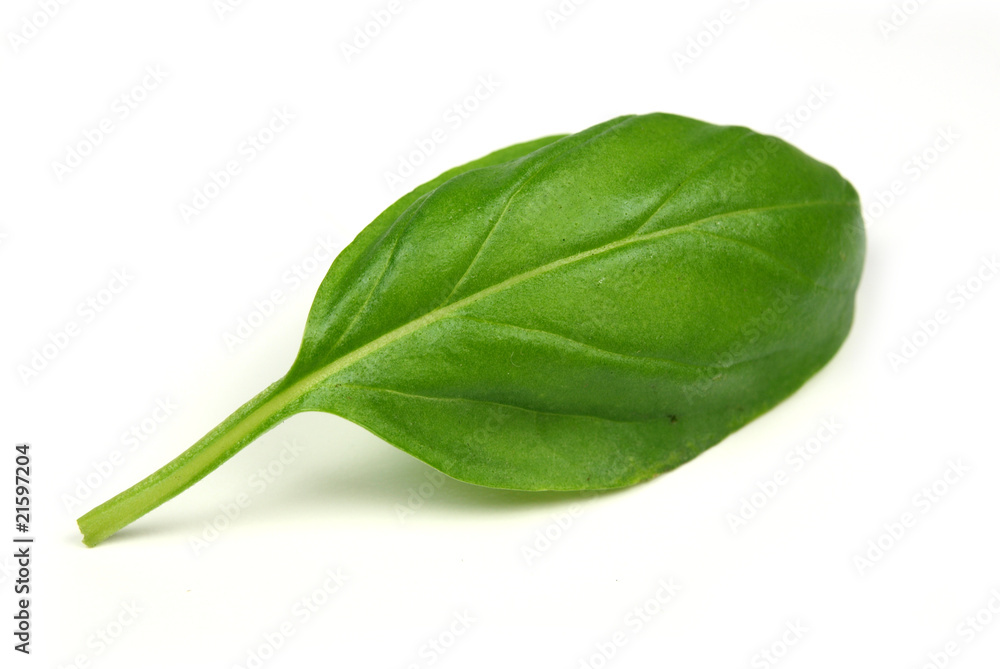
(580, 312)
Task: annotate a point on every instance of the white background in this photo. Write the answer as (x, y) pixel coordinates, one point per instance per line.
(885, 96)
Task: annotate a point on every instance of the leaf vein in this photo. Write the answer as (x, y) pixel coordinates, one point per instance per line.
(381, 276)
(513, 195)
(777, 262)
(585, 345)
(691, 175)
(438, 398)
(359, 353)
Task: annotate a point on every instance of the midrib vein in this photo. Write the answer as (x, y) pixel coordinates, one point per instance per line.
(311, 380)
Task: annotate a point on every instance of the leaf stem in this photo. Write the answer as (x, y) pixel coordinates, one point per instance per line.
(267, 409)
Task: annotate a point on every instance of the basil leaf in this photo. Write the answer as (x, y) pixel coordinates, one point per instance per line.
(580, 312)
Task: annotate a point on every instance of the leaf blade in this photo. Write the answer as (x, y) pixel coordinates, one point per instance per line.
(415, 361)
